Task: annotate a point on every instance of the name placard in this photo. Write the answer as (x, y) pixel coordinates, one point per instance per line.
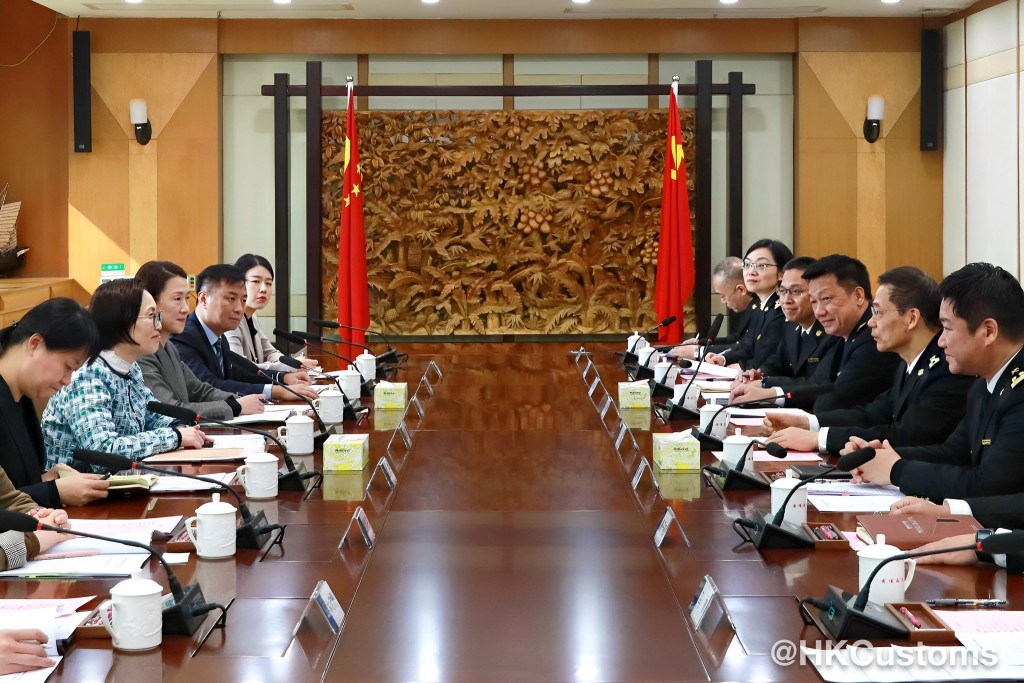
(668, 518)
(328, 610)
(707, 594)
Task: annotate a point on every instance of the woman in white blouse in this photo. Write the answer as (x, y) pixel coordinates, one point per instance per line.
(248, 339)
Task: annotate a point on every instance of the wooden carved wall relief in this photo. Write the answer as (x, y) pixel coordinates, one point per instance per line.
(493, 222)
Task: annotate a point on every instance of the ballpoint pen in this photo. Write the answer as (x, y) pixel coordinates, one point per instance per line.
(966, 602)
(913, 620)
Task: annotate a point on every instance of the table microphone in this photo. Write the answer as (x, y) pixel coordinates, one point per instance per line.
(383, 371)
(630, 355)
(291, 479)
(350, 411)
(852, 461)
(247, 365)
(850, 616)
(183, 617)
(254, 530)
(765, 532)
(303, 339)
(681, 412)
(392, 356)
(734, 478)
(707, 440)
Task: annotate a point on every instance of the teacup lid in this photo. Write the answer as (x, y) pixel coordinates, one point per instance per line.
(880, 549)
(135, 585)
(736, 438)
(333, 391)
(261, 456)
(216, 507)
(351, 369)
(365, 354)
(298, 419)
(710, 406)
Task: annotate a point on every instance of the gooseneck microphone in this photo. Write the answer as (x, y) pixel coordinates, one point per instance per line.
(291, 479)
(392, 356)
(680, 412)
(183, 617)
(303, 339)
(247, 365)
(707, 439)
(844, 615)
(734, 478)
(350, 410)
(253, 532)
(381, 371)
(664, 323)
(765, 532)
(852, 461)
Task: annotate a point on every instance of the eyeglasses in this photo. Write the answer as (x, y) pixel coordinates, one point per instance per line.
(785, 291)
(875, 312)
(156, 317)
(759, 267)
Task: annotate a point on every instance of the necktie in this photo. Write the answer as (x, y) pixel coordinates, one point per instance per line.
(220, 357)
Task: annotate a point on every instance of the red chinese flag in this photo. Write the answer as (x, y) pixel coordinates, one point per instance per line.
(353, 289)
(673, 281)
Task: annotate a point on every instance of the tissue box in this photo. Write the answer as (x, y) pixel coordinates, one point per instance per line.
(678, 451)
(346, 452)
(635, 394)
(390, 395)
(343, 486)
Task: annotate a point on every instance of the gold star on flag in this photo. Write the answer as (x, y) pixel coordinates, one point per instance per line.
(355, 190)
(347, 200)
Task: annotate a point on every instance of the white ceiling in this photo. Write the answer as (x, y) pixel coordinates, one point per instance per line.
(504, 9)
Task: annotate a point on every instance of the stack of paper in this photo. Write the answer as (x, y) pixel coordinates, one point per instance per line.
(90, 566)
(271, 414)
(137, 530)
(251, 443)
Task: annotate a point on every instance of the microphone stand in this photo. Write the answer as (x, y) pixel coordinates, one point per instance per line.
(365, 385)
(350, 412)
(187, 613)
(381, 370)
(707, 439)
(843, 615)
(773, 533)
(681, 412)
(734, 478)
(254, 530)
(289, 478)
(392, 356)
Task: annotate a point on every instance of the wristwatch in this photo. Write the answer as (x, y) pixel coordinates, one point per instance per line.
(979, 536)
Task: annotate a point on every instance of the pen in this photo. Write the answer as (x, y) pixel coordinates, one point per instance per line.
(105, 476)
(828, 533)
(966, 602)
(913, 620)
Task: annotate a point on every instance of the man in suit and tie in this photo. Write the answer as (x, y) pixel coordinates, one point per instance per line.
(803, 338)
(852, 370)
(202, 347)
(983, 335)
(925, 402)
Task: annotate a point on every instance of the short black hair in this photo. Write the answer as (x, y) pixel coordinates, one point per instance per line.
(214, 276)
(850, 273)
(781, 254)
(247, 262)
(979, 291)
(911, 287)
(115, 307)
(63, 324)
(154, 275)
(798, 263)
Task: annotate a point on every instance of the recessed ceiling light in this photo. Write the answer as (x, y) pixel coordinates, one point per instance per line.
(430, 2)
(890, 2)
(728, 2)
(282, 2)
(133, 2)
(580, 2)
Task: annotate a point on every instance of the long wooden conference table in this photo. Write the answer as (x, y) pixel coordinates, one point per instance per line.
(513, 548)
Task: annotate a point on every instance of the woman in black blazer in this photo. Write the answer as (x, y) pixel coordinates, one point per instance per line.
(762, 273)
(38, 355)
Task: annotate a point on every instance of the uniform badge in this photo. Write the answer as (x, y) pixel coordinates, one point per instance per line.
(818, 333)
(778, 304)
(986, 442)
(1017, 376)
(758, 338)
(920, 372)
(932, 361)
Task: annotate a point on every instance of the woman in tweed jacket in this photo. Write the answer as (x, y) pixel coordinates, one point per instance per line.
(104, 408)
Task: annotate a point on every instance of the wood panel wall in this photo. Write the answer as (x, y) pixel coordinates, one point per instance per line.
(35, 133)
(880, 202)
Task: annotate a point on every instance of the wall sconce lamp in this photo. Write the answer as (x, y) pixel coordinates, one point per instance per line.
(140, 120)
(873, 121)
